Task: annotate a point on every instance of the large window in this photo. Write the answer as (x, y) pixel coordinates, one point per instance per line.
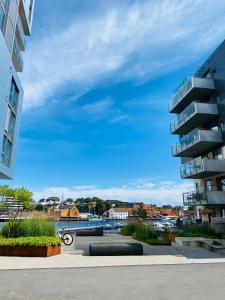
(2, 18)
(14, 95)
(6, 152)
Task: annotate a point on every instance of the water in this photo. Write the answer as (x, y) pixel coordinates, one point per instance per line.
(88, 224)
(85, 224)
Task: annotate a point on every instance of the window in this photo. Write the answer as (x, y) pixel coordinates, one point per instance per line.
(2, 18)
(10, 123)
(6, 152)
(14, 95)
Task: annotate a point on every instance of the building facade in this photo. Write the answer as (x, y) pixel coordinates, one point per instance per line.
(119, 213)
(199, 105)
(15, 25)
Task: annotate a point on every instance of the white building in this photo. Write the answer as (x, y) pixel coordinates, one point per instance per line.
(118, 213)
(15, 27)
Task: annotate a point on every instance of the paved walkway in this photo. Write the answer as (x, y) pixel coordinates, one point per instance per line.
(75, 256)
(171, 282)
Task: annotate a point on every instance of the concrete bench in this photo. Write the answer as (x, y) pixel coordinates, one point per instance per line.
(111, 249)
(98, 231)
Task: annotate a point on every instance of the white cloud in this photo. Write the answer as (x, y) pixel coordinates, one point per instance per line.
(158, 193)
(102, 109)
(129, 40)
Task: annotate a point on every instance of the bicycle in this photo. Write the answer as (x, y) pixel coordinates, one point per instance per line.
(65, 237)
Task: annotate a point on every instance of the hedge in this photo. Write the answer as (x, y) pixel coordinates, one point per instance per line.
(30, 241)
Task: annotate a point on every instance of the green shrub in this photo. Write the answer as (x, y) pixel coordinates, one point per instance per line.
(158, 242)
(144, 233)
(30, 241)
(130, 228)
(198, 231)
(29, 228)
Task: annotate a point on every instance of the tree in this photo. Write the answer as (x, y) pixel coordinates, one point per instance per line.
(39, 207)
(25, 197)
(178, 208)
(142, 213)
(6, 191)
(69, 200)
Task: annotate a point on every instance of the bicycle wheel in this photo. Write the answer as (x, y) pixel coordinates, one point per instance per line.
(67, 239)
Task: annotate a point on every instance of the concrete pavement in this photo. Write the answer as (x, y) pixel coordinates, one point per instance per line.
(75, 256)
(171, 282)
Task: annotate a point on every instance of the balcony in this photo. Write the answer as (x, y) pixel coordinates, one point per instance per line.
(24, 18)
(197, 142)
(17, 57)
(196, 114)
(191, 88)
(202, 167)
(195, 198)
(20, 34)
(204, 198)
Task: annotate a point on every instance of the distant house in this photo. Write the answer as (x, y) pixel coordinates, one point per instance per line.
(119, 213)
(169, 212)
(50, 202)
(151, 210)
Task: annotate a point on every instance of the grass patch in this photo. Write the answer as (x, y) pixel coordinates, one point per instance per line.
(130, 228)
(144, 233)
(29, 228)
(30, 241)
(157, 242)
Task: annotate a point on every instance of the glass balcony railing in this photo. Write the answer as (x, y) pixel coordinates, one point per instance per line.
(215, 195)
(19, 58)
(192, 167)
(196, 86)
(25, 9)
(186, 141)
(182, 117)
(201, 139)
(196, 114)
(201, 167)
(21, 34)
(198, 197)
(181, 90)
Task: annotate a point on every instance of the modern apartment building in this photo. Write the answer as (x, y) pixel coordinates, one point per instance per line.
(199, 105)
(15, 25)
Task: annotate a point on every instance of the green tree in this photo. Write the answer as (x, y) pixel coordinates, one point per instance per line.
(142, 213)
(25, 197)
(39, 207)
(68, 200)
(6, 191)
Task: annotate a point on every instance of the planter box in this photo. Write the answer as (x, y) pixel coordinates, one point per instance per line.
(34, 251)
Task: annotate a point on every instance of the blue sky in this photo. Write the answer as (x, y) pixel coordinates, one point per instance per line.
(98, 79)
